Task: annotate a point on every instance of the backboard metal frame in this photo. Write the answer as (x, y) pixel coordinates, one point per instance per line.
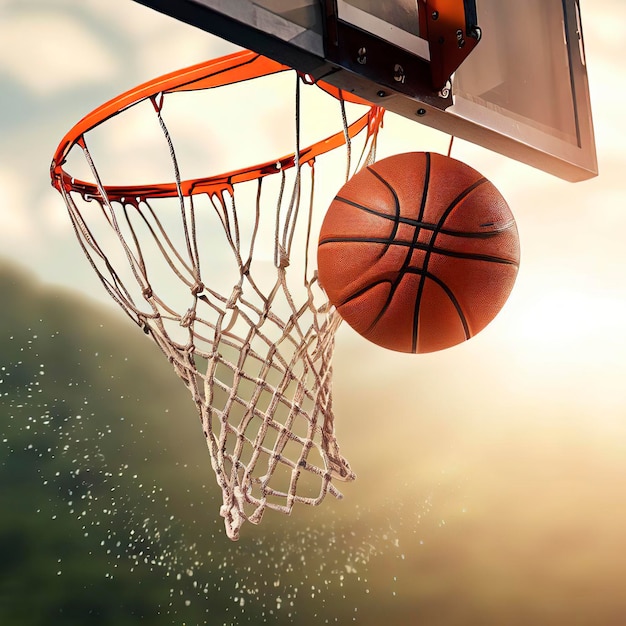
(299, 33)
(443, 35)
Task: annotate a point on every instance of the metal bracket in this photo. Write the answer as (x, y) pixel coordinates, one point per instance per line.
(453, 32)
(449, 26)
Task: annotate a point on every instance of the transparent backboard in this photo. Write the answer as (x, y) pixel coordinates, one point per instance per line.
(522, 91)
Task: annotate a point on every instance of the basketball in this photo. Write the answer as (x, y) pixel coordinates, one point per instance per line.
(418, 252)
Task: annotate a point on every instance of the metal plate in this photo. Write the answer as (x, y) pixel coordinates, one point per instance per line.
(523, 91)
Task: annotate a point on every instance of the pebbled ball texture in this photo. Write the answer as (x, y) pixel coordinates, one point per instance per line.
(418, 252)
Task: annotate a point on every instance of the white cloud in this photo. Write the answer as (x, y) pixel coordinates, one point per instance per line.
(15, 224)
(39, 49)
(161, 43)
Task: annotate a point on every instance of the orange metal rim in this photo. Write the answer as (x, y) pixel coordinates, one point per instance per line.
(235, 68)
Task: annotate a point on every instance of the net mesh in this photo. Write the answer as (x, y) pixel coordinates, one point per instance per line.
(220, 273)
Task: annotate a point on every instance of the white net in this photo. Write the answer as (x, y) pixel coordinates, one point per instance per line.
(220, 272)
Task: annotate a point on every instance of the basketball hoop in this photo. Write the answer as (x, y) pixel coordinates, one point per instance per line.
(253, 348)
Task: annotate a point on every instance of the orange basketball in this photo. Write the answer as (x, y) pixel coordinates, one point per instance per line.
(418, 252)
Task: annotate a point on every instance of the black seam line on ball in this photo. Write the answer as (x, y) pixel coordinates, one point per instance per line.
(411, 270)
(423, 246)
(395, 284)
(430, 226)
(409, 255)
(450, 295)
(363, 290)
(431, 244)
(396, 202)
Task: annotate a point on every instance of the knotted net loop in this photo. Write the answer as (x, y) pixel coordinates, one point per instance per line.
(253, 339)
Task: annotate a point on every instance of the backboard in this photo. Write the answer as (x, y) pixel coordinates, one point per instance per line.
(518, 80)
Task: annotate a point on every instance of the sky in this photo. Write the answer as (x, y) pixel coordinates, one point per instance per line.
(533, 407)
(59, 60)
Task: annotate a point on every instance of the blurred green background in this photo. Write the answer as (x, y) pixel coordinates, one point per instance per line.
(491, 477)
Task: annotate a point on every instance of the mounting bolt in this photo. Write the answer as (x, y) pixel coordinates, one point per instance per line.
(459, 38)
(447, 89)
(435, 15)
(421, 112)
(362, 56)
(475, 33)
(398, 73)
